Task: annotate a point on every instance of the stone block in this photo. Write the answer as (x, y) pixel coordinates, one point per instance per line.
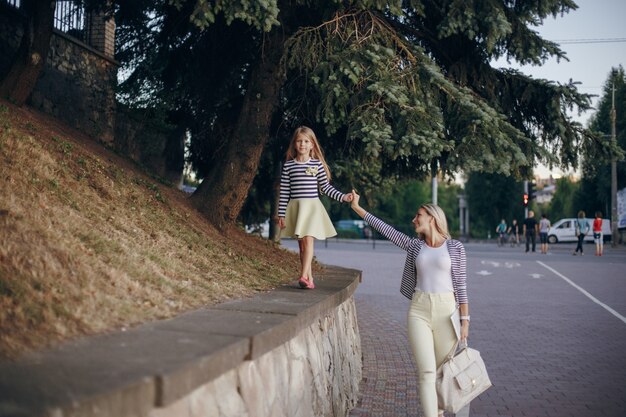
(290, 352)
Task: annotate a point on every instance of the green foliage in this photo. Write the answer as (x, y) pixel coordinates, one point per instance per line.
(389, 86)
(595, 187)
(468, 19)
(384, 89)
(261, 14)
(397, 204)
(372, 76)
(448, 200)
(562, 204)
(493, 197)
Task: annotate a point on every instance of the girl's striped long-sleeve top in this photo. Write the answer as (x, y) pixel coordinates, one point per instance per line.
(304, 180)
(413, 247)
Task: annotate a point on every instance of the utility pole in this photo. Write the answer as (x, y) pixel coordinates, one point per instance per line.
(614, 230)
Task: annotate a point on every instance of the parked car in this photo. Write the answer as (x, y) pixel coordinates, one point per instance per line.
(564, 231)
(353, 228)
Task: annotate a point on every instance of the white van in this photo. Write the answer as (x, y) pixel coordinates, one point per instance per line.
(564, 231)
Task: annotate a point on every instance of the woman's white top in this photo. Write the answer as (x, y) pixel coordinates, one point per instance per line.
(434, 270)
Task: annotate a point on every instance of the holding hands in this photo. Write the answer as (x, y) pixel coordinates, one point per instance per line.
(354, 198)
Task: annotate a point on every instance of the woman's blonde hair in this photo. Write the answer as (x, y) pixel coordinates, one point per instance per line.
(316, 152)
(581, 214)
(440, 224)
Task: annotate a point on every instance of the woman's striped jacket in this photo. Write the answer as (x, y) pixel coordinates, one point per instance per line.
(413, 247)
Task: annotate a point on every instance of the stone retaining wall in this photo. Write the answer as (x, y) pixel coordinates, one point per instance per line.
(78, 88)
(316, 373)
(288, 352)
(77, 84)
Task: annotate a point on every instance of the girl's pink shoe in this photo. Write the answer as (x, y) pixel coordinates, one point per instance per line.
(305, 283)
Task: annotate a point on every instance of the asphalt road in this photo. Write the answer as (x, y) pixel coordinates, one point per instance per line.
(551, 329)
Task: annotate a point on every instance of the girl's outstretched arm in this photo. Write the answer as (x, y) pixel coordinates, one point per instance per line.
(398, 238)
(326, 187)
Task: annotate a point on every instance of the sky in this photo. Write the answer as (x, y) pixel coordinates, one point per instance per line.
(584, 35)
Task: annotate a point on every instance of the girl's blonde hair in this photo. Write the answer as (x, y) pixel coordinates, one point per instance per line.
(316, 152)
(440, 223)
(581, 214)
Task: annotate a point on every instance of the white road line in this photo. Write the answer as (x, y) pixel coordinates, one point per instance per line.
(585, 292)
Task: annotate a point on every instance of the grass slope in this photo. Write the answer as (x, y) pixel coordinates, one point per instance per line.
(89, 243)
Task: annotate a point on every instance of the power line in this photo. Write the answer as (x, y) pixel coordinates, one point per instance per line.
(588, 41)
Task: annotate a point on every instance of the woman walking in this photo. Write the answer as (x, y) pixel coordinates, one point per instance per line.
(582, 228)
(434, 279)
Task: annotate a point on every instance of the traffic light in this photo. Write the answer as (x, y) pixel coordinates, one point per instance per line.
(525, 202)
(531, 190)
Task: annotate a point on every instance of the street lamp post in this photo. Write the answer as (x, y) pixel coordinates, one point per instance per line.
(614, 229)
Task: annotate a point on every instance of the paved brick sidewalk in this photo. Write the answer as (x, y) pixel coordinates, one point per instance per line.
(550, 350)
(389, 385)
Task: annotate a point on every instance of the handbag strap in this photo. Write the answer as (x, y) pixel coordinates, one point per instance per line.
(454, 349)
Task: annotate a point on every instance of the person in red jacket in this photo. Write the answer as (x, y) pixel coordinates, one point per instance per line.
(597, 233)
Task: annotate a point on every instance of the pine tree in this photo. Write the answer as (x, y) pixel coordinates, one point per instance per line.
(397, 86)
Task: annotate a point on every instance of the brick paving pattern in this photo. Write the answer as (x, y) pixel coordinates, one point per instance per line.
(389, 386)
(550, 350)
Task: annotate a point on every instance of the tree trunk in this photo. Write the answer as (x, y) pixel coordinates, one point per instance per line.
(222, 194)
(20, 81)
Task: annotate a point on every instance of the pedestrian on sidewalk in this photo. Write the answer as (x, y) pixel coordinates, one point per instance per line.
(544, 228)
(300, 211)
(597, 233)
(513, 232)
(530, 230)
(434, 279)
(581, 227)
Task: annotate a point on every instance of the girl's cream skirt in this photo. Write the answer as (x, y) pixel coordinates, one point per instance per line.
(307, 217)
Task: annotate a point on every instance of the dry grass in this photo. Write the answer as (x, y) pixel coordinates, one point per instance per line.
(88, 243)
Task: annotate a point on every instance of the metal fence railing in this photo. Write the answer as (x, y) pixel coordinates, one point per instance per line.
(69, 18)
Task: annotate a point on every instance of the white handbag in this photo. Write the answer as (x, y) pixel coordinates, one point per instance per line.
(461, 378)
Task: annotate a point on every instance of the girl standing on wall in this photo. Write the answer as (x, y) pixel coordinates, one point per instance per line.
(300, 211)
(434, 279)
